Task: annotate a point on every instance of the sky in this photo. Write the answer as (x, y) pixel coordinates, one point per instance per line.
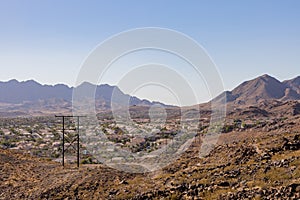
(48, 41)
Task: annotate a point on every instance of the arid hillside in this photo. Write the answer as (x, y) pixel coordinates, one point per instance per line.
(256, 161)
(257, 155)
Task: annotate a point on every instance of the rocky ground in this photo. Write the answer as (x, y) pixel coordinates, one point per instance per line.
(257, 157)
(254, 165)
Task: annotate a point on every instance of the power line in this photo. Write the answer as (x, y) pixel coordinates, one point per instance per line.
(63, 136)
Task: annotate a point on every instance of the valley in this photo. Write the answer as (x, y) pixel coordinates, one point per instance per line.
(257, 155)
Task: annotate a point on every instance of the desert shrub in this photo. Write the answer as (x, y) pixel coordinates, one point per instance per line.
(29, 130)
(8, 142)
(14, 131)
(88, 160)
(227, 128)
(55, 155)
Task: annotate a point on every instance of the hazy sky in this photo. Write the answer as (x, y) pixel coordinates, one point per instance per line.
(48, 40)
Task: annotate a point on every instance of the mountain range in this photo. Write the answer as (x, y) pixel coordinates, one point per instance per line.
(30, 97)
(262, 88)
(17, 92)
(21, 98)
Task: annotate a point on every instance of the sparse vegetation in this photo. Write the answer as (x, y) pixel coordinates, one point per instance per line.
(253, 157)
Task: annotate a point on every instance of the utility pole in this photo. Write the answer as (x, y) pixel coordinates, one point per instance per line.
(63, 136)
(78, 141)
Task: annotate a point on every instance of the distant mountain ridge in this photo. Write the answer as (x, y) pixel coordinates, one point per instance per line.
(264, 87)
(33, 97)
(15, 92)
(293, 84)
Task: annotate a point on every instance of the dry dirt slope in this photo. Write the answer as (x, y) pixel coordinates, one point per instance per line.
(260, 165)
